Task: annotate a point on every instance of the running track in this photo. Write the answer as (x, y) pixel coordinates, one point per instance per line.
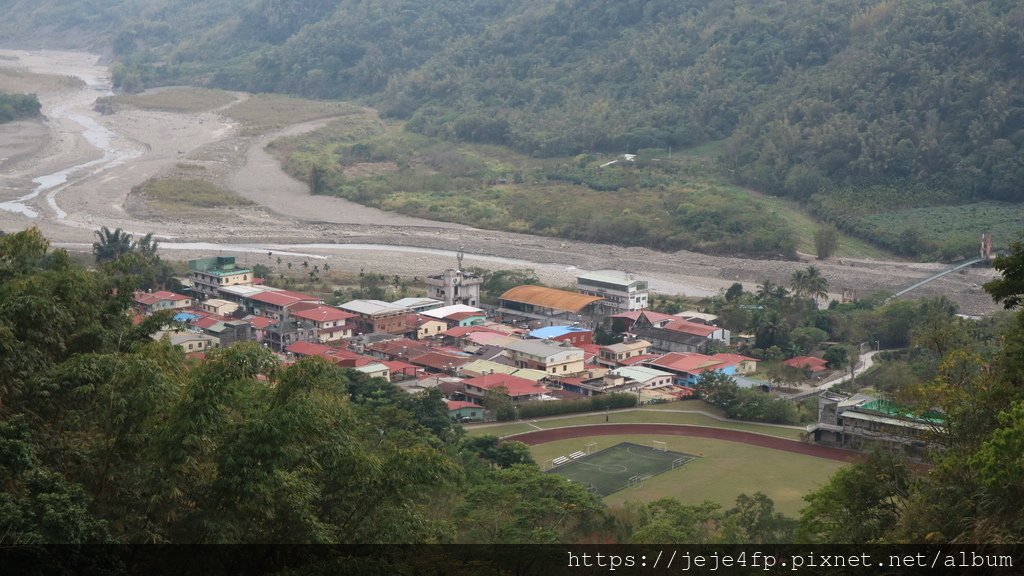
(544, 436)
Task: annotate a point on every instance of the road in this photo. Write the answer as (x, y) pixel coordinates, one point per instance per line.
(864, 363)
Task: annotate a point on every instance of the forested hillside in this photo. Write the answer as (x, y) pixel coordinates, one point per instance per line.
(814, 98)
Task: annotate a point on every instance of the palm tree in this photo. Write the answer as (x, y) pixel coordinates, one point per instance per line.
(798, 283)
(816, 284)
(112, 244)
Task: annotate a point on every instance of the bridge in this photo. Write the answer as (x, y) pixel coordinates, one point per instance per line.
(936, 276)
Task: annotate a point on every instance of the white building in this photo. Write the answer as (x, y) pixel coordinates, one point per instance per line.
(455, 286)
(621, 292)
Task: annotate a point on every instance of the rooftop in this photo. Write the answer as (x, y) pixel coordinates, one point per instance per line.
(689, 362)
(611, 277)
(282, 298)
(417, 302)
(639, 373)
(514, 385)
(555, 331)
(553, 298)
(542, 348)
(217, 266)
(148, 298)
(373, 307)
(323, 314)
(446, 311)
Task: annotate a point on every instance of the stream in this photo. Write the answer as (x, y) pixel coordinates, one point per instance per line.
(116, 150)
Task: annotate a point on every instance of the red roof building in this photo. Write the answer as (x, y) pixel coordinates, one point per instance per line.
(517, 388)
(439, 361)
(150, 302)
(331, 323)
(807, 362)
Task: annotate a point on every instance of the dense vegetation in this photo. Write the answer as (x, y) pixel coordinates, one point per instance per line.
(18, 106)
(655, 201)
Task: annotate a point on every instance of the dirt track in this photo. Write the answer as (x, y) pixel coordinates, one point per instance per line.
(349, 236)
(545, 436)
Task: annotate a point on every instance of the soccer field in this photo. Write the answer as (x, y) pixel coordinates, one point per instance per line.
(621, 466)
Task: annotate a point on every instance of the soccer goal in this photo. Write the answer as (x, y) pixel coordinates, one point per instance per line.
(634, 481)
(659, 445)
(678, 462)
(590, 447)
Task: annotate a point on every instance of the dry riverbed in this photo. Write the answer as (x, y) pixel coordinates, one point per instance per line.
(105, 156)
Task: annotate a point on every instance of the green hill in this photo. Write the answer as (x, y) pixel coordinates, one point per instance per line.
(812, 96)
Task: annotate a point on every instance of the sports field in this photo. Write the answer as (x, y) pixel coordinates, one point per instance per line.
(621, 466)
(723, 471)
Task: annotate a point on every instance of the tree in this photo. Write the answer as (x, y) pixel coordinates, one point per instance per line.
(112, 244)
(826, 241)
(734, 292)
(859, 505)
(838, 357)
(1009, 290)
(522, 505)
(809, 283)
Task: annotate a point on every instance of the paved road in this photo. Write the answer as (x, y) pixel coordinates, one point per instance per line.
(866, 361)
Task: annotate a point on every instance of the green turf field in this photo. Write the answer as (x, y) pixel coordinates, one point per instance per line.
(621, 466)
(723, 471)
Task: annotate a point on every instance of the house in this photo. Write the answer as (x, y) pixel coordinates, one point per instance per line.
(546, 306)
(228, 332)
(673, 334)
(374, 316)
(188, 341)
(284, 332)
(688, 366)
(149, 302)
(209, 275)
(744, 364)
(397, 349)
(277, 304)
(218, 306)
(571, 334)
(619, 291)
(546, 355)
(455, 286)
(809, 363)
(422, 327)
(462, 411)
(698, 317)
(862, 421)
(375, 370)
(613, 355)
(258, 325)
(645, 377)
(329, 323)
(516, 388)
(436, 362)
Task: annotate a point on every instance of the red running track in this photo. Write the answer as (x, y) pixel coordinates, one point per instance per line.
(544, 436)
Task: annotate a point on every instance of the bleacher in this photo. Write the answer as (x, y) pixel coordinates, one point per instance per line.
(559, 461)
(577, 455)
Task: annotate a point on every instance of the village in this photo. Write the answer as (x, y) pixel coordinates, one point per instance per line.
(535, 345)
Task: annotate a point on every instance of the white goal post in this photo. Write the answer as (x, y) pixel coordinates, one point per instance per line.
(634, 481)
(678, 462)
(590, 447)
(659, 445)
